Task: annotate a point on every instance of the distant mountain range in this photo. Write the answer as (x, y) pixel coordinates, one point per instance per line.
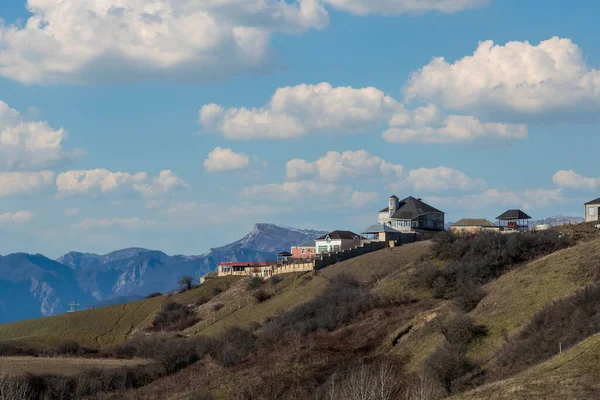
(32, 286)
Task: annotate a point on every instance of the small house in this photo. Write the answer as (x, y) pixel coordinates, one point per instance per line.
(513, 221)
(382, 233)
(473, 225)
(591, 210)
(411, 215)
(304, 251)
(253, 269)
(338, 241)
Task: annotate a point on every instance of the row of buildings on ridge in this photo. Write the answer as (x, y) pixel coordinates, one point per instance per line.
(402, 221)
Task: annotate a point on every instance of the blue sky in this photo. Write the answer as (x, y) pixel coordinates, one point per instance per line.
(108, 117)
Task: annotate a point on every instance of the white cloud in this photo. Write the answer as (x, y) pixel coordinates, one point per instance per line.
(299, 110)
(518, 78)
(70, 212)
(438, 179)
(389, 7)
(109, 40)
(500, 200)
(163, 184)
(84, 181)
(351, 164)
(190, 213)
(571, 179)
(20, 217)
(107, 223)
(361, 199)
(429, 124)
(31, 145)
(320, 195)
(225, 160)
(12, 183)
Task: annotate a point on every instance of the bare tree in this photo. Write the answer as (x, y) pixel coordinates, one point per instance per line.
(186, 281)
(14, 388)
(424, 388)
(367, 382)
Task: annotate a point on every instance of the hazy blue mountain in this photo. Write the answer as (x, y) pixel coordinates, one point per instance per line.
(32, 286)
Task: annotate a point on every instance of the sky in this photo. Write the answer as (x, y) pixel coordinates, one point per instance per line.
(179, 124)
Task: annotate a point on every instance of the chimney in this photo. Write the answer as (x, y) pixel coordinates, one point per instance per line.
(393, 204)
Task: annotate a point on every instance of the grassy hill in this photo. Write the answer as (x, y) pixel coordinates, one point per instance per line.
(319, 328)
(570, 375)
(101, 327)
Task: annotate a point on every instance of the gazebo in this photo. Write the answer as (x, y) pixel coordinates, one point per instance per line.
(516, 220)
(283, 257)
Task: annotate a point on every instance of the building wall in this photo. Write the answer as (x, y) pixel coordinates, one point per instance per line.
(382, 218)
(303, 252)
(594, 216)
(323, 247)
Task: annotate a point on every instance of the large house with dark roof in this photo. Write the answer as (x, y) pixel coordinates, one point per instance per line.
(411, 215)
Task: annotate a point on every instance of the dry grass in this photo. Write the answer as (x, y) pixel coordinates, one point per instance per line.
(101, 327)
(515, 297)
(571, 375)
(386, 269)
(59, 365)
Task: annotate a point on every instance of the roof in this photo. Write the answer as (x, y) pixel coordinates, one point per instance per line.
(513, 214)
(394, 197)
(387, 209)
(336, 235)
(474, 222)
(595, 201)
(305, 245)
(285, 254)
(411, 208)
(378, 228)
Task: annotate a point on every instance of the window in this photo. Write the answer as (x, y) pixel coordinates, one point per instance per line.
(303, 251)
(415, 224)
(322, 249)
(592, 211)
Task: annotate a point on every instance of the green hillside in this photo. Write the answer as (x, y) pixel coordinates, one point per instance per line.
(101, 327)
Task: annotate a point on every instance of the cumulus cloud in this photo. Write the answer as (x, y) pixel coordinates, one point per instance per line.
(518, 78)
(430, 124)
(389, 7)
(320, 194)
(322, 109)
(20, 218)
(103, 180)
(351, 164)
(225, 160)
(296, 111)
(12, 183)
(494, 198)
(108, 40)
(163, 184)
(106, 223)
(571, 179)
(30, 145)
(438, 179)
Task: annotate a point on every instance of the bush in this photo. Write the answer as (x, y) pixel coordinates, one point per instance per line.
(567, 321)
(260, 295)
(233, 346)
(217, 291)
(254, 283)
(175, 317)
(472, 261)
(447, 365)
(155, 294)
(171, 352)
(217, 307)
(275, 279)
(459, 330)
(344, 301)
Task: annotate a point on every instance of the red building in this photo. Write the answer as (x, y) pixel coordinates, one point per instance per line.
(305, 250)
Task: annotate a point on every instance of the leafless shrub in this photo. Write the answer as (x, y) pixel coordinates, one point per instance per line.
(14, 388)
(447, 365)
(424, 388)
(378, 381)
(217, 307)
(459, 330)
(254, 283)
(261, 295)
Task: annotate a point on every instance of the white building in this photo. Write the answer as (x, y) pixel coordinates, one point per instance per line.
(337, 241)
